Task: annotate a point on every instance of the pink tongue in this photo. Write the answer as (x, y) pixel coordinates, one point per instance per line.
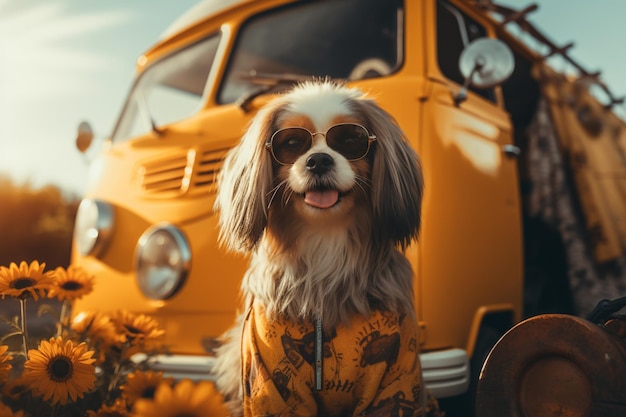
(321, 199)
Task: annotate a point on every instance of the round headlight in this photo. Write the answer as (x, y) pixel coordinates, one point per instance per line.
(93, 226)
(163, 258)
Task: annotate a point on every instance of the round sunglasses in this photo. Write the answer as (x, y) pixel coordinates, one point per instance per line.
(349, 139)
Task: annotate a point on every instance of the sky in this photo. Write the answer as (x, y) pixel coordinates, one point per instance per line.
(67, 61)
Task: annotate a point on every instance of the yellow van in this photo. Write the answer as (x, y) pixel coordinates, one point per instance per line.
(146, 227)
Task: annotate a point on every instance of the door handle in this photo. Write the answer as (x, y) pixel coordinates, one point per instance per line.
(511, 151)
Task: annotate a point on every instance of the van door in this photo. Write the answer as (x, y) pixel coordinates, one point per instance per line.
(471, 236)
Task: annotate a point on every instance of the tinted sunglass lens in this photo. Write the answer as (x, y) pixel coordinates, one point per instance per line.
(288, 144)
(352, 141)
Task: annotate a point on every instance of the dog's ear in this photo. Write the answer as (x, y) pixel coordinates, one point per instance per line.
(397, 180)
(245, 182)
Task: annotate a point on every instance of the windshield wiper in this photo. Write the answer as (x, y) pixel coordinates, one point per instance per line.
(142, 104)
(268, 83)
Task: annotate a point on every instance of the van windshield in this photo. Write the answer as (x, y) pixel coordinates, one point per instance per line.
(169, 90)
(343, 39)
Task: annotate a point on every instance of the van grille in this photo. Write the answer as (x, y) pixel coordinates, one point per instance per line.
(207, 167)
(190, 172)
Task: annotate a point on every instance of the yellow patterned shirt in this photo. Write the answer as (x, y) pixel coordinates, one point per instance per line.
(369, 367)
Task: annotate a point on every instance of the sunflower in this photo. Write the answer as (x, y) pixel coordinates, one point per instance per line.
(71, 284)
(13, 389)
(97, 327)
(5, 411)
(4, 366)
(24, 281)
(142, 384)
(118, 409)
(60, 370)
(184, 399)
(138, 329)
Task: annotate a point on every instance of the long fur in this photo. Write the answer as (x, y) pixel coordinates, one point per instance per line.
(336, 266)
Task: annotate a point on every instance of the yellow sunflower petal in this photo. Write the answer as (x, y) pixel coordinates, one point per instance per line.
(25, 280)
(186, 398)
(60, 371)
(206, 395)
(143, 385)
(118, 409)
(5, 367)
(164, 394)
(5, 411)
(138, 329)
(71, 283)
(15, 388)
(97, 327)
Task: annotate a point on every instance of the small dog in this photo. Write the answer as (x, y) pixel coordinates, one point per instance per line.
(324, 192)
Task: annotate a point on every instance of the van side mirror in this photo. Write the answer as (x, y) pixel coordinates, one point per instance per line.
(484, 63)
(84, 137)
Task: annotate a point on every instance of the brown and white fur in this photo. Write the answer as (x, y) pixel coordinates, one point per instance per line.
(307, 261)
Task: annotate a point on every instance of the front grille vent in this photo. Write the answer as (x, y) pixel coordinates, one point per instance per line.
(208, 165)
(190, 172)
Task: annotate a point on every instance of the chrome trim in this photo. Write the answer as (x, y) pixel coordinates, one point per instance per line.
(446, 372)
(511, 151)
(194, 367)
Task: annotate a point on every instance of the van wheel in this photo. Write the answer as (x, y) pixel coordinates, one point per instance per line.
(465, 405)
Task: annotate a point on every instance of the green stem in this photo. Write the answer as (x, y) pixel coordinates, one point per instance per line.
(24, 326)
(118, 366)
(63, 320)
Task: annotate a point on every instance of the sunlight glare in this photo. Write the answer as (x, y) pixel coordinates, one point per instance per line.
(35, 54)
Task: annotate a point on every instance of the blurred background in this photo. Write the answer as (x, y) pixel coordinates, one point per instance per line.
(67, 61)
(61, 62)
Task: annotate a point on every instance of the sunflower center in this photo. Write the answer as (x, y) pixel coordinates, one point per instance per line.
(60, 369)
(148, 392)
(72, 286)
(17, 389)
(22, 282)
(133, 330)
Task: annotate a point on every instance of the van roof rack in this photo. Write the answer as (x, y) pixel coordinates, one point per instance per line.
(509, 15)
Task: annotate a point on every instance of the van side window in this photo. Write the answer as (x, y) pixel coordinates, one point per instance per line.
(342, 39)
(455, 30)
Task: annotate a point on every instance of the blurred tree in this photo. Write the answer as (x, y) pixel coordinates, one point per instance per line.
(35, 224)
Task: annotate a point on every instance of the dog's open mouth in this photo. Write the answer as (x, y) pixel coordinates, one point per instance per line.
(322, 199)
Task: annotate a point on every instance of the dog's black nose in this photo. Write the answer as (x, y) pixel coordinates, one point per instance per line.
(319, 163)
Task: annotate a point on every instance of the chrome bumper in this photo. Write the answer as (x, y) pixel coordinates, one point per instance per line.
(193, 367)
(446, 373)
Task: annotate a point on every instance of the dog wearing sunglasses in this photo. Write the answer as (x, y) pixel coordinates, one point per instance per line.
(324, 193)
